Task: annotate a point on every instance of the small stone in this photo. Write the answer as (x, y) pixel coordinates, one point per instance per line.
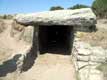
(83, 58)
(82, 64)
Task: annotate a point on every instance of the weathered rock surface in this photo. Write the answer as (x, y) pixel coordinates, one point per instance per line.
(86, 53)
(88, 59)
(88, 73)
(79, 17)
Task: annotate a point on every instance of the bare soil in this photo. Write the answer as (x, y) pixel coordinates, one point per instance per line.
(51, 67)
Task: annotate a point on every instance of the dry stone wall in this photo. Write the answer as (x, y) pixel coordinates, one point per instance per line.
(88, 59)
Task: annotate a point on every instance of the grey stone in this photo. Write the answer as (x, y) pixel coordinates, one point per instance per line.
(84, 52)
(83, 58)
(28, 34)
(89, 73)
(83, 48)
(82, 64)
(98, 54)
(79, 17)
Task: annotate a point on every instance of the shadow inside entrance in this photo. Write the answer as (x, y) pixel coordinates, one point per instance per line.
(56, 39)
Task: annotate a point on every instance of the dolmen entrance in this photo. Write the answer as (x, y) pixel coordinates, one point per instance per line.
(54, 30)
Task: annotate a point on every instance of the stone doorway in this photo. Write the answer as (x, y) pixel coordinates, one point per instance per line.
(55, 39)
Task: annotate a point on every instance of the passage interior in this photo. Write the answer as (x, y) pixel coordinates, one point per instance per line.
(55, 39)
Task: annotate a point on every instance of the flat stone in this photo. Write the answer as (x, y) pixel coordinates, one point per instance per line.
(83, 58)
(96, 77)
(79, 17)
(89, 73)
(98, 54)
(82, 64)
(84, 52)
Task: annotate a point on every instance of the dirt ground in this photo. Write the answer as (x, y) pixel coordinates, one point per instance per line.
(50, 67)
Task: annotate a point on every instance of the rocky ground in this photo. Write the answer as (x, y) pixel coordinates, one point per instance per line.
(51, 67)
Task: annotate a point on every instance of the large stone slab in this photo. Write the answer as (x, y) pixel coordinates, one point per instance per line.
(79, 17)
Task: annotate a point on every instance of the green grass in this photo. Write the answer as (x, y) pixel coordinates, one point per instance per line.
(103, 68)
(77, 76)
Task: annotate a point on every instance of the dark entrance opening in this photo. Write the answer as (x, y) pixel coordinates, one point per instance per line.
(55, 39)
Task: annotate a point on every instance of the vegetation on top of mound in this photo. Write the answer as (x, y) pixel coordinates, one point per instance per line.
(2, 26)
(100, 8)
(56, 8)
(78, 6)
(6, 16)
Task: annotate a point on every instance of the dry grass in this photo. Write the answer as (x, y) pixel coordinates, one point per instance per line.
(2, 26)
(17, 26)
(103, 68)
(98, 38)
